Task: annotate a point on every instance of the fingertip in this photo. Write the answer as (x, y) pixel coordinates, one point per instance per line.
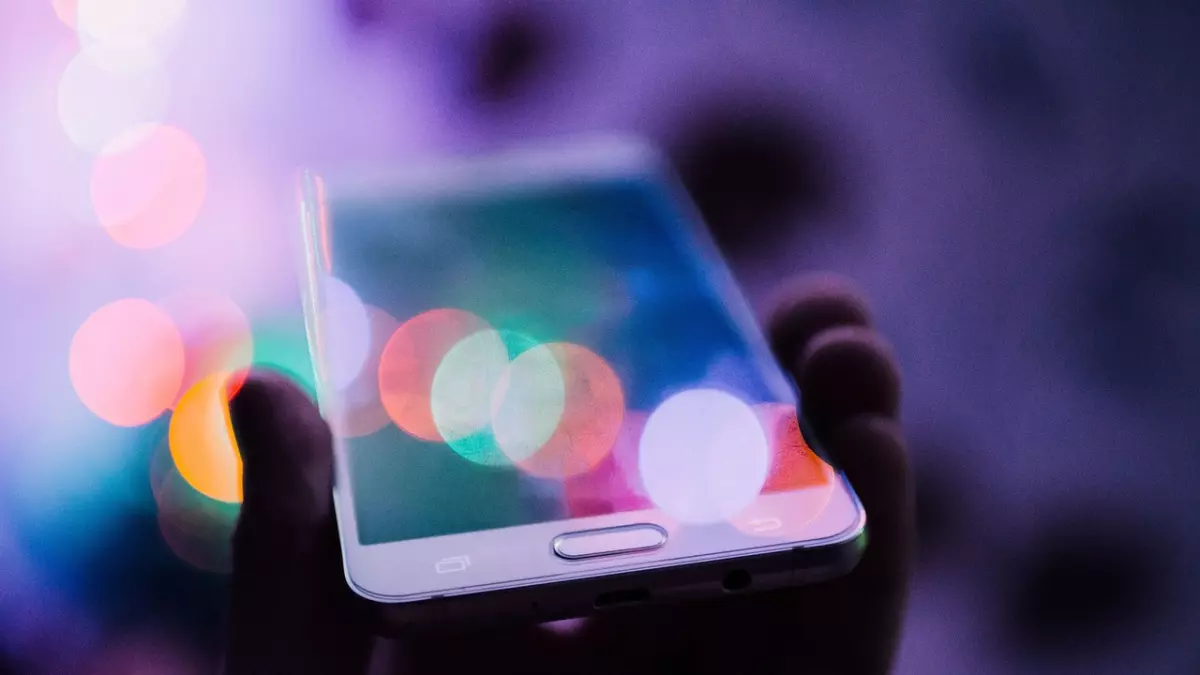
(847, 372)
(286, 449)
(871, 446)
(810, 305)
(270, 408)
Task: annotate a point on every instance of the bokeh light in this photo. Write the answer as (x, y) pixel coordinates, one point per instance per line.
(202, 441)
(345, 332)
(66, 11)
(527, 403)
(358, 410)
(127, 34)
(703, 456)
(127, 362)
(216, 338)
(796, 470)
(197, 529)
(627, 448)
(794, 465)
(784, 516)
(613, 485)
(281, 344)
(410, 360)
(461, 395)
(97, 107)
(148, 186)
(146, 650)
(591, 417)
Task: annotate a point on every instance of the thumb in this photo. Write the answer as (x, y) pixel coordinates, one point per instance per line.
(290, 609)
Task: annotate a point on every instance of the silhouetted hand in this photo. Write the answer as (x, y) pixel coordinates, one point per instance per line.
(293, 614)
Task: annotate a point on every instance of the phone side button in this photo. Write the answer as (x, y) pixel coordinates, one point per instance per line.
(609, 541)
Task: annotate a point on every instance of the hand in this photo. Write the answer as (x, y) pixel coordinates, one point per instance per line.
(293, 614)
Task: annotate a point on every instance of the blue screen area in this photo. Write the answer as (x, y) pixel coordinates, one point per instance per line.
(607, 266)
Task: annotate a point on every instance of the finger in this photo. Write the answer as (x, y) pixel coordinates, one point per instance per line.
(844, 373)
(290, 611)
(810, 306)
(853, 623)
(850, 387)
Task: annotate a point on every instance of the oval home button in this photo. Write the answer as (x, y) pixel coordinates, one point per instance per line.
(609, 541)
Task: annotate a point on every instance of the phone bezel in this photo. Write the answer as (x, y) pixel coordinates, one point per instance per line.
(385, 572)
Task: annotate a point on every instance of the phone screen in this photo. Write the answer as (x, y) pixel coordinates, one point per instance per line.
(509, 357)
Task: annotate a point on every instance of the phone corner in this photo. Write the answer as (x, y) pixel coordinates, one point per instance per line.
(832, 556)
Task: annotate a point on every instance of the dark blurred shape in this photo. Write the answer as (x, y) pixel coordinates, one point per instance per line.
(752, 170)
(997, 68)
(363, 13)
(1094, 577)
(512, 49)
(1138, 322)
(940, 497)
(137, 581)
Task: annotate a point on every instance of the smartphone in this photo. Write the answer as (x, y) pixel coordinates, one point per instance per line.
(549, 397)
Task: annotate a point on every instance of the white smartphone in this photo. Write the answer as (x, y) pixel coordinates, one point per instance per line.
(549, 397)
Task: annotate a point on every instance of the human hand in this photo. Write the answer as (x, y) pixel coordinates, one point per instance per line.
(293, 613)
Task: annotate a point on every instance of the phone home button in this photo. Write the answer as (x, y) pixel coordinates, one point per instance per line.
(609, 541)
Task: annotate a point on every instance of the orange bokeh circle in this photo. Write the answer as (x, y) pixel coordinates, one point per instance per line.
(796, 470)
(410, 360)
(217, 338)
(202, 441)
(591, 420)
(148, 186)
(127, 362)
(357, 409)
(794, 465)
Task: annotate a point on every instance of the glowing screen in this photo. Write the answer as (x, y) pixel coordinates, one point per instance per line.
(500, 359)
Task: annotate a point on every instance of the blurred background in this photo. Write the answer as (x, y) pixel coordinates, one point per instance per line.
(1015, 184)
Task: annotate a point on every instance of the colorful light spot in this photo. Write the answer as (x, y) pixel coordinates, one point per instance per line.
(281, 344)
(703, 456)
(626, 450)
(216, 338)
(202, 441)
(461, 396)
(197, 529)
(127, 362)
(800, 482)
(128, 22)
(345, 329)
(410, 360)
(357, 410)
(593, 409)
(66, 11)
(793, 465)
(527, 403)
(97, 107)
(613, 486)
(148, 186)
(784, 515)
(127, 34)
